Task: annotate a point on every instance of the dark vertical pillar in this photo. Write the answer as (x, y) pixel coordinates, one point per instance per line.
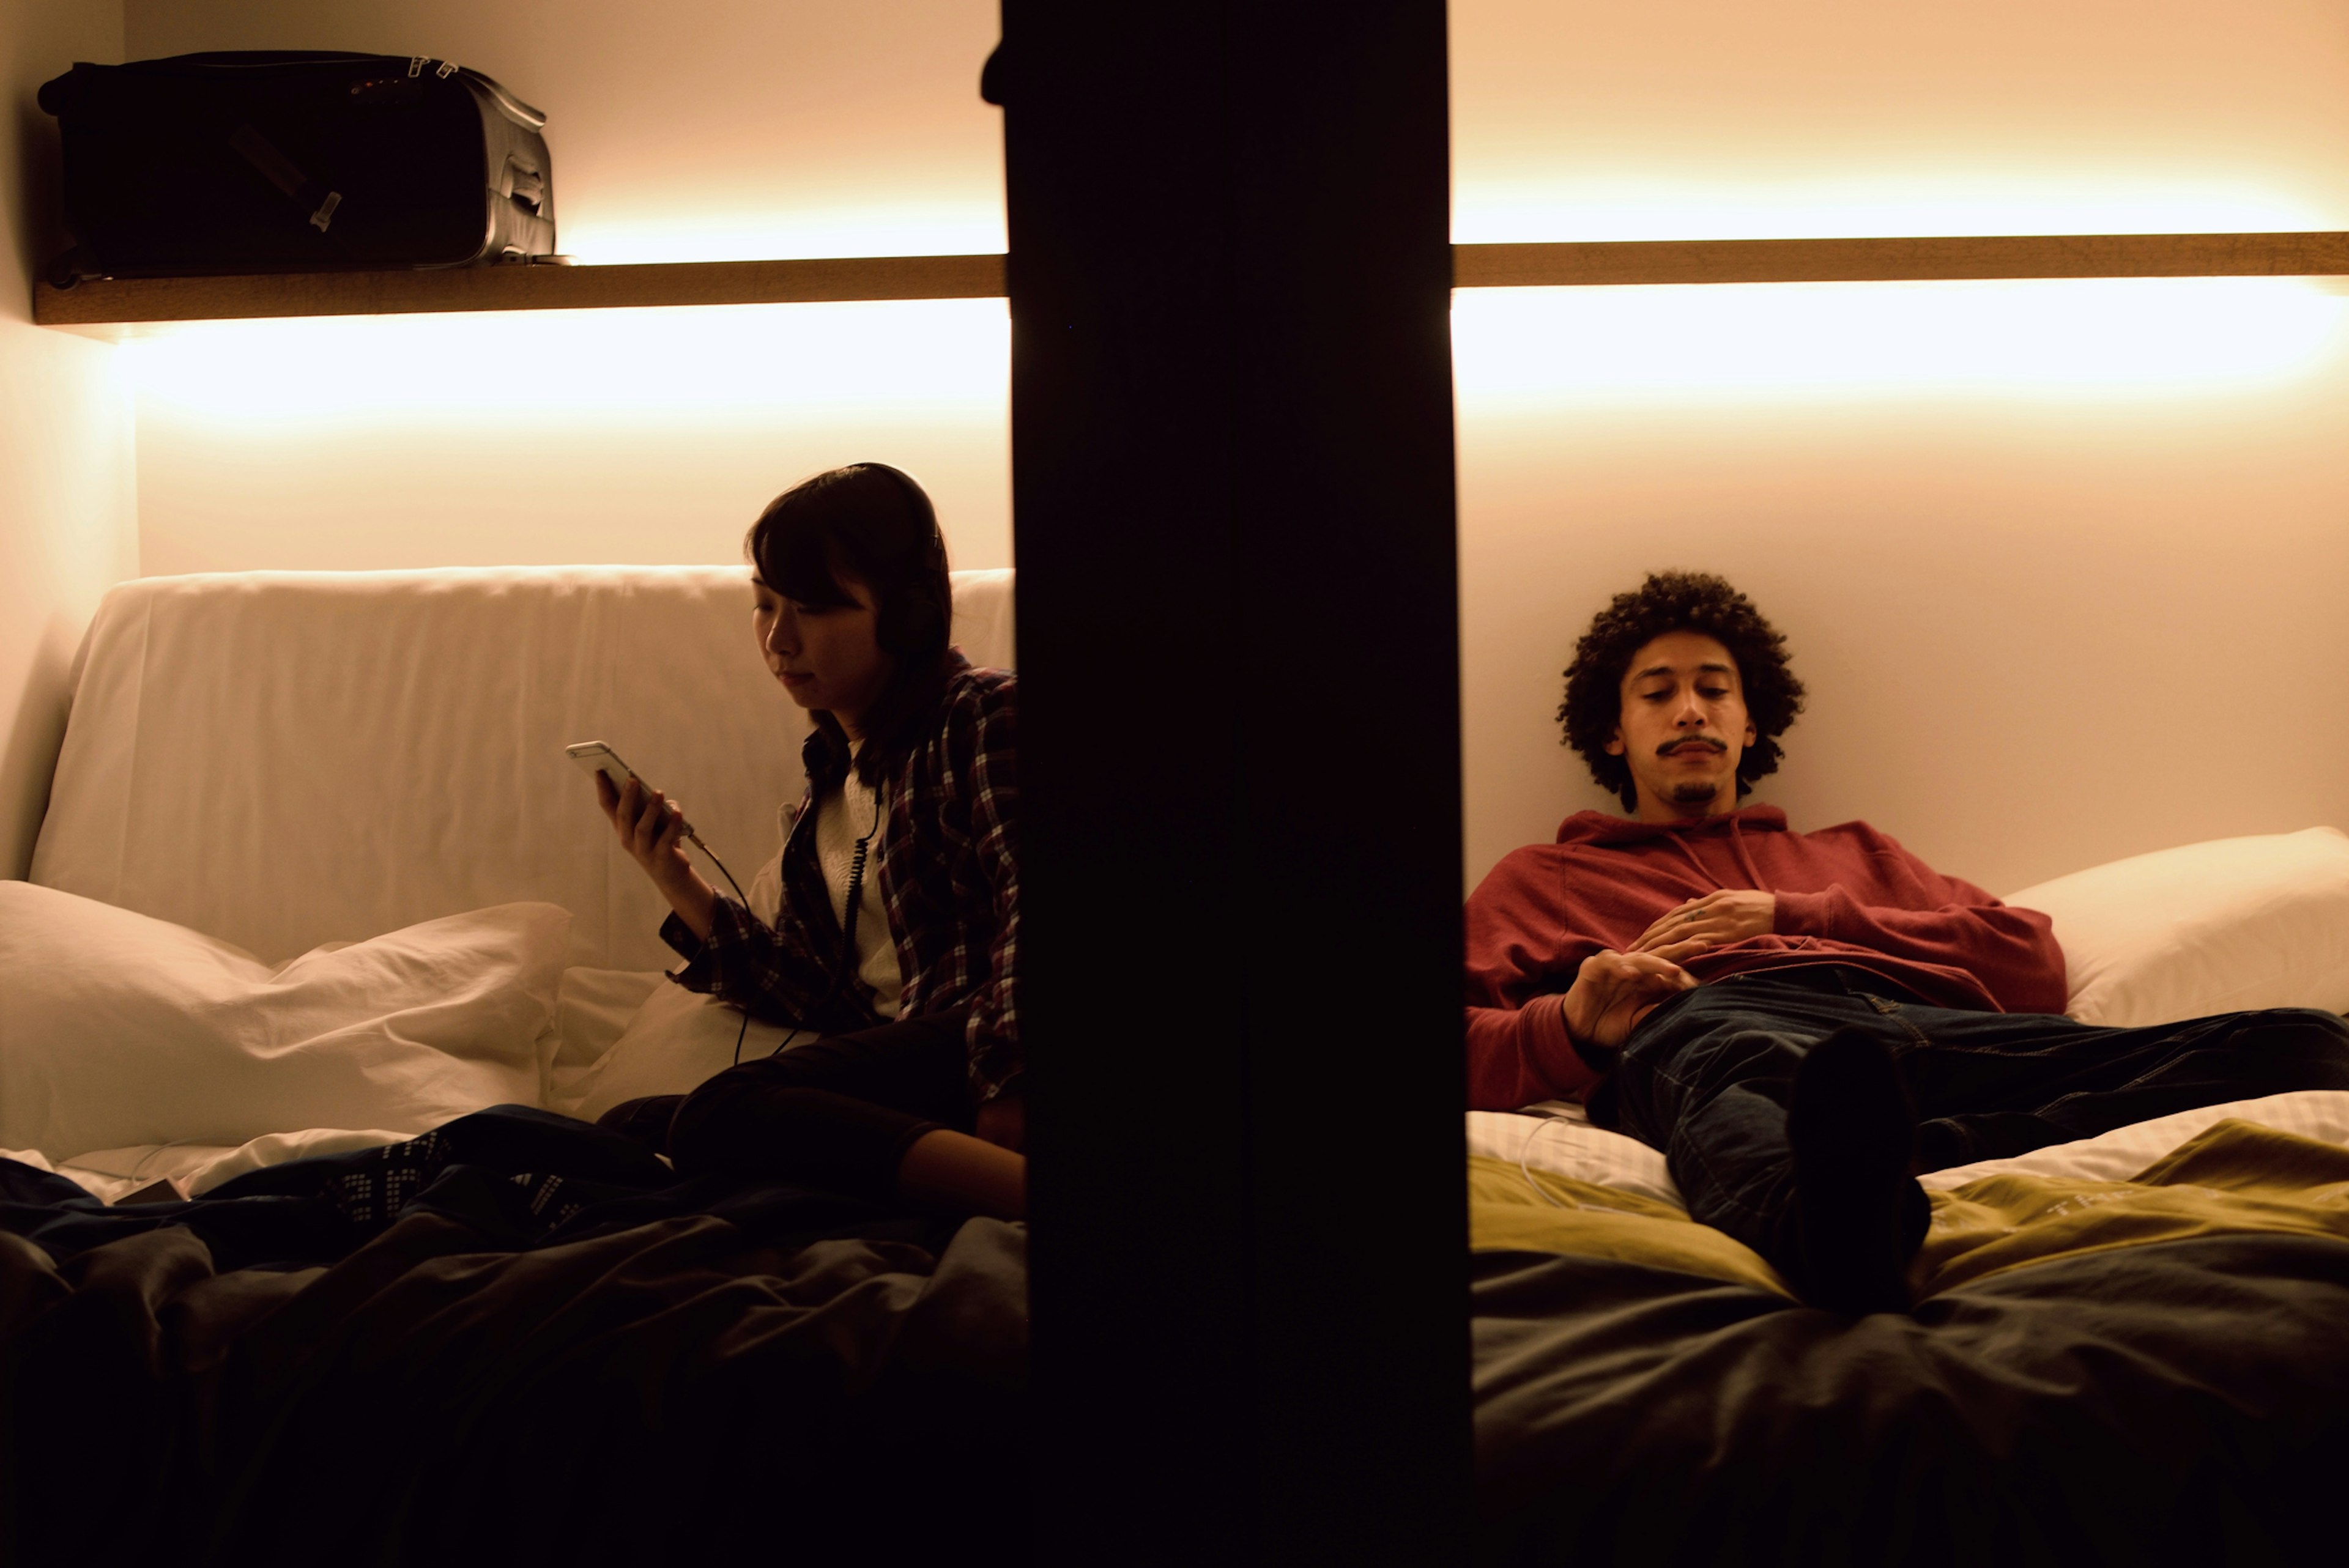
(1233, 501)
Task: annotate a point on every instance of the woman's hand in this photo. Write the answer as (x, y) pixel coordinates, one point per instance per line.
(1613, 990)
(652, 830)
(1716, 920)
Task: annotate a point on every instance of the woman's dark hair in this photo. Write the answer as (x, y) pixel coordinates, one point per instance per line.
(1676, 602)
(871, 523)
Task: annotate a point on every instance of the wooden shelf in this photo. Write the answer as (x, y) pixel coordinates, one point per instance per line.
(118, 303)
(110, 302)
(1900, 260)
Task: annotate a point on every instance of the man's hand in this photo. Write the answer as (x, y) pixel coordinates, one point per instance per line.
(1716, 920)
(652, 830)
(1612, 991)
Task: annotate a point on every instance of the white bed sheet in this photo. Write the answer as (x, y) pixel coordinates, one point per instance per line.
(110, 1174)
(1555, 1137)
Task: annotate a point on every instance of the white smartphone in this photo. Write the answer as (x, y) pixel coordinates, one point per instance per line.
(594, 757)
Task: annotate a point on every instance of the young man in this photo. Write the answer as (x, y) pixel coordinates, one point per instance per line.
(1775, 1011)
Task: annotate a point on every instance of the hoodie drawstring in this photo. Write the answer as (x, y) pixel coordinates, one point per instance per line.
(1744, 858)
(1689, 856)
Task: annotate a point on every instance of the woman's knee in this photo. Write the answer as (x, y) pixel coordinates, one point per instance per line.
(762, 1129)
(705, 1121)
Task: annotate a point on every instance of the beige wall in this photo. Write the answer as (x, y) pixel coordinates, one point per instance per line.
(1711, 118)
(701, 130)
(68, 495)
(2036, 636)
(2061, 576)
(2066, 582)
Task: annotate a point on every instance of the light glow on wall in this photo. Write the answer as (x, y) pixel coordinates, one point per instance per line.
(2106, 339)
(1496, 209)
(949, 360)
(729, 232)
(945, 360)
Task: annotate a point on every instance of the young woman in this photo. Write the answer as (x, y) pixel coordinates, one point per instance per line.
(898, 933)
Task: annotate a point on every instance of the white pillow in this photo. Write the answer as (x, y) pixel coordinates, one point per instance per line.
(678, 1039)
(2204, 928)
(118, 1029)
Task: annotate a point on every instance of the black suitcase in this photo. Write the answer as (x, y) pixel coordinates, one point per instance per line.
(295, 163)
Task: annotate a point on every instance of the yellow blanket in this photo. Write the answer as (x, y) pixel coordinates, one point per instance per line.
(2236, 1177)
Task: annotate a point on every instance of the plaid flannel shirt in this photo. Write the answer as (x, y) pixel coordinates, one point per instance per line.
(948, 877)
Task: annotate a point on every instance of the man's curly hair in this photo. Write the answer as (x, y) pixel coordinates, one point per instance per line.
(1676, 602)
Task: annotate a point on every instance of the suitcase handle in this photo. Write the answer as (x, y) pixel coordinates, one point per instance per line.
(286, 175)
(524, 185)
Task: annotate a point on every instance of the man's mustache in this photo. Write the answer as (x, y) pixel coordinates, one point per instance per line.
(1708, 742)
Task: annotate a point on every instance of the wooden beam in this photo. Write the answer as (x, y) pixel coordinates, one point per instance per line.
(1232, 478)
(108, 301)
(117, 302)
(1896, 260)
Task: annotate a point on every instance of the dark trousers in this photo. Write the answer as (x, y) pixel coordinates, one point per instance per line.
(1705, 1079)
(837, 1113)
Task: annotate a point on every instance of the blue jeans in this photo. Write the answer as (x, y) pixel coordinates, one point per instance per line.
(1705, 1080)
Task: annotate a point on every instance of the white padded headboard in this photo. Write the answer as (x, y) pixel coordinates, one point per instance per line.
(283, 758)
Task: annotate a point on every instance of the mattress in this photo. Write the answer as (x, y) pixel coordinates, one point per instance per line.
(285, 759)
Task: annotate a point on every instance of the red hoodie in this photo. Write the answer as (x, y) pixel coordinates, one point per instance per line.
(1846, 894)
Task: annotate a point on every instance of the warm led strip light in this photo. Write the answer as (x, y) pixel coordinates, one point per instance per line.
(2107, 341)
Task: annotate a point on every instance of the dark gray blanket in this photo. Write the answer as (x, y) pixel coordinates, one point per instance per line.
(2185, 1402)
(608, 1366)
(521, 1340)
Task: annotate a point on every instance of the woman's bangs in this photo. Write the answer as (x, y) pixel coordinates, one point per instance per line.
(798, 563)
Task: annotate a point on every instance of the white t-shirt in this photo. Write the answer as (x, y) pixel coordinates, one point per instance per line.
(841, 817)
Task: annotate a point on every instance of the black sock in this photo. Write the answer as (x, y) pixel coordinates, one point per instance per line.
(1853, 1130)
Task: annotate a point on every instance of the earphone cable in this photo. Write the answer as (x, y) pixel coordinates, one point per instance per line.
(848, 965)
(741, 897)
